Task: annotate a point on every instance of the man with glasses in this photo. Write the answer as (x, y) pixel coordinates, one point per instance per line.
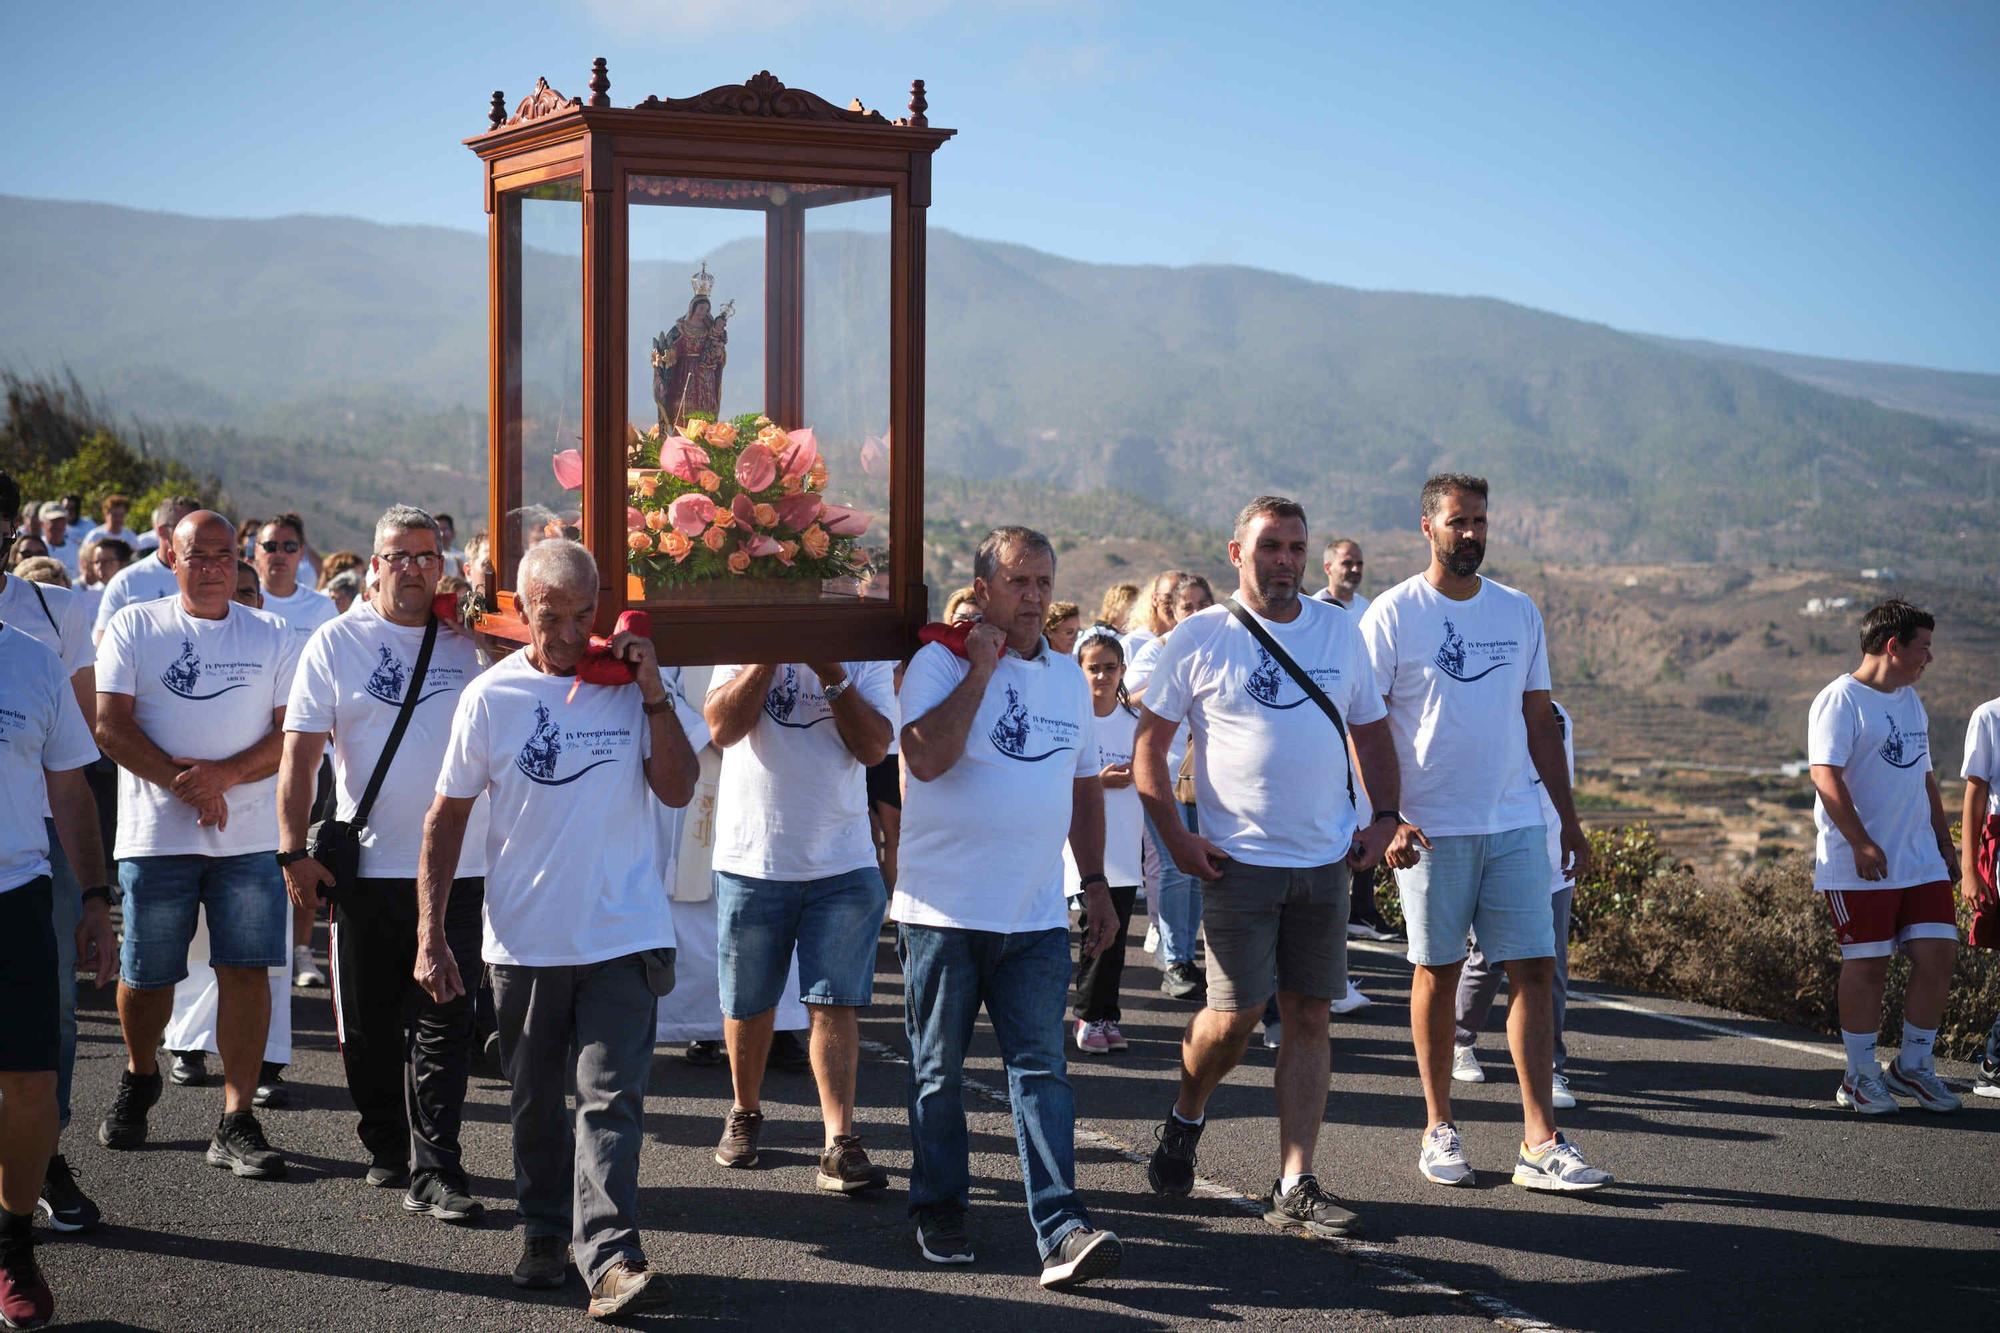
(281, 546)
(407, 1056)
(190, 701)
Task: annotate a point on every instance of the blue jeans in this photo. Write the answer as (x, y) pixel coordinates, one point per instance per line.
(832, 922)
(1022, 979)
(242, 897)
(1178, 912)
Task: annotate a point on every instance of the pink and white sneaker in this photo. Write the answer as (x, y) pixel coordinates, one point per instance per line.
(1114, 1036)
(1090, 1038)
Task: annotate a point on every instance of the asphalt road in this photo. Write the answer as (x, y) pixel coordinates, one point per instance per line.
(1747, 1200)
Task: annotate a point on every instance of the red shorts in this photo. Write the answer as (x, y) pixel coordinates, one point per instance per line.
(1872, 922)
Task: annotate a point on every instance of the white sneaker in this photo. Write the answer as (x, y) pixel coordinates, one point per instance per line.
(1273, 1034)
(1351, 1001)
(1558, 1167)
(1560, 1096)
(305, 972)
(1921, 1085)
(1465, 1066)
(1442, 1158)
(1866, 1093)
(1152, 944)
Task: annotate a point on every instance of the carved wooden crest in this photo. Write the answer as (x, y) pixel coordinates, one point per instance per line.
(764, 95)
(543, 102)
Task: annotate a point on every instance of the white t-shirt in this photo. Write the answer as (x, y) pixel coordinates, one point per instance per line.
(982, 844)
(144, 580)
(66, 551)
(572, 846)
(41, 731)
(1982, 752)
(792, 803)
(1124, 818)
(1270, 773)
(1453, 674)
(304, 611)
(351, 681)
(1559, 879)
(1354, 607)
(64, 627)
(201, 689)
(1882, 745)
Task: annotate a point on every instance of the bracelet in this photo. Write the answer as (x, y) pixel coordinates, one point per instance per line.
(1089, 880)
(98, 893)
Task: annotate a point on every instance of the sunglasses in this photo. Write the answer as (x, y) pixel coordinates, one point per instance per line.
(272, 548)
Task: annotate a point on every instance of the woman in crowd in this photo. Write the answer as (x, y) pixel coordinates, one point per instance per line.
(1116, 607)
(1061, 624)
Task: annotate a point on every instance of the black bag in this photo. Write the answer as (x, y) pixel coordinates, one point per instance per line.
(336, 843)
(1298, 675)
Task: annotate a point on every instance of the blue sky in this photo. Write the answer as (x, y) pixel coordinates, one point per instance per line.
(1819, 178)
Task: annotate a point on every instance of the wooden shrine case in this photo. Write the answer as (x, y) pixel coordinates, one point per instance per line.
(706, 329)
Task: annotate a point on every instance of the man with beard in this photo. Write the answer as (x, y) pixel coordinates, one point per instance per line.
(1463, 665)
(1274, 802)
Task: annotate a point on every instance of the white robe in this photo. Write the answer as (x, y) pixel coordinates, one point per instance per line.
(192, 1027)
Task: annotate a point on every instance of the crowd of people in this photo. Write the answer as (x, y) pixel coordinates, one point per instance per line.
(247, 732)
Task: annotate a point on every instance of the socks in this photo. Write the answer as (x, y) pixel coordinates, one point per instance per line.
(1197, 1122)
(1917, 1054)
(1286, 1184)
(1860, 1053)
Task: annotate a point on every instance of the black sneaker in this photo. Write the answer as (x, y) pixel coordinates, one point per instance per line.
(189, 1068)
(1172, 1169)
(941, 1236)
(67, 1207)
(387, 1175)
(703, 1053)
(446, 1200)
(1986, 1079)
(1083, 1254)
(1308, 1209)
(789, 1053)
(125, 1125)
(1181, 981)
(544, 1263)
(271, 1089)
(240, 1146)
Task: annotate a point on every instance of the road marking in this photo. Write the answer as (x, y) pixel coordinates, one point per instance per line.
(1834, 1053)
(1500, 1312)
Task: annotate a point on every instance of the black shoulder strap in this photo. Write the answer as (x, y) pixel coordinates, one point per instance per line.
(1304, 681)
(48, 614)
(360, 817)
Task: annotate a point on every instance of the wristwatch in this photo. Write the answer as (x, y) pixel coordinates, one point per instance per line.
(286, 858)
(665, 705)
(98, 893)
(838, 688)
(1381, 815)
(1089, 880)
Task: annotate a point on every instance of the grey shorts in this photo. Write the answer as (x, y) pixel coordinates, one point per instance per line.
(1275, 922)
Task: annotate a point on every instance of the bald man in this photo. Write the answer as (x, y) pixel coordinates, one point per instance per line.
(191, 694)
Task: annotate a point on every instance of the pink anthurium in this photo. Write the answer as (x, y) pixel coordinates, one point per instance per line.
(797, 457)
(569, 469)
(844, 522)
(683, 457)
(798, 511)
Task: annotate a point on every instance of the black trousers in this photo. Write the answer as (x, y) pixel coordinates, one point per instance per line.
(407, 1057)
(1094, 987)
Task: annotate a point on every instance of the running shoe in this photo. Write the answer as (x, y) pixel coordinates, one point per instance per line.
(544, 1263)
(1986, 1080)
(1171, 1170)
(704, 1053)
(25, 1298)
(239, 1146)
(305, 972)
(1442, 1157)
(1922, 1086)
(1366, 930)
(1465, 1066)
(1351, 1001)
(1080, 1256)
(941, 1236)
(189, 1069)
(1310, 1210)
(1866, 1093)
(1559, 1094)
(444, 1198)
(1181, 981)
(1274, 1033)
(125, 1125)
(739, 1138)
(627, 1287)
(1558, 1167)
(1090, 1038)
(271, 1089)
(845, 1169)
(1114, 1036)
(66, 1206)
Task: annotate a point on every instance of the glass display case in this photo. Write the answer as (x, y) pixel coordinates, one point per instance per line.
(706, 320)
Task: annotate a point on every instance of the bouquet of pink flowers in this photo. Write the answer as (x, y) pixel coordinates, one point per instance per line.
(741, 498)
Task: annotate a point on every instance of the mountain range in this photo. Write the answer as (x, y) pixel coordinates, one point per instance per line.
(347, 358)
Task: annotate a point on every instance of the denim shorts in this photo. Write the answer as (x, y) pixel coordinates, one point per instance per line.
(832, 922)
(249, 916)
(1493, 885)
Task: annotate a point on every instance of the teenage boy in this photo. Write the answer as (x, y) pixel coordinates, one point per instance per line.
(1884, 857)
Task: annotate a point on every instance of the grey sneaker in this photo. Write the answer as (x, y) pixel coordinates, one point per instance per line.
(739, 1138)
(387, 1175)
(627, 1287)
(1866, 1093)
(1082, 1255)
(1558, 1167)
(544, 1263)
(239, 1146)
(941, 1236)
(1181, 981)
(1310, 1210)
(1986, 1080)
(1922, 1086)
(1442, 1156)
(446, 1200)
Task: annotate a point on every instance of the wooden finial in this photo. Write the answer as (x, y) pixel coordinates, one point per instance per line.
(918, 105)
(498, 115)
(600, 83)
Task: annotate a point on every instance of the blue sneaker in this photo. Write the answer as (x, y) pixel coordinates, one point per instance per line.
(1558, 1167)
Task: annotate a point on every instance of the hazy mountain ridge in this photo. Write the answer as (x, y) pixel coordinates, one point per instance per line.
(1185, 387)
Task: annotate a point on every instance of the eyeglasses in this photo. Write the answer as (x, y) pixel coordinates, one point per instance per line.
(272, 548)
(425, 560)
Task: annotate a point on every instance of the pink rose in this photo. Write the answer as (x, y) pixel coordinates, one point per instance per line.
(875, 454)
(756, 468)
(683, 457)
(798, 456)
(569, 469)
(798, 511)
(691, 514)
(844, 522)
(762, 545)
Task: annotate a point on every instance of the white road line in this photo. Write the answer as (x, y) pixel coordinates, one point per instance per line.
(1834, 1053)
(1500, 1312)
